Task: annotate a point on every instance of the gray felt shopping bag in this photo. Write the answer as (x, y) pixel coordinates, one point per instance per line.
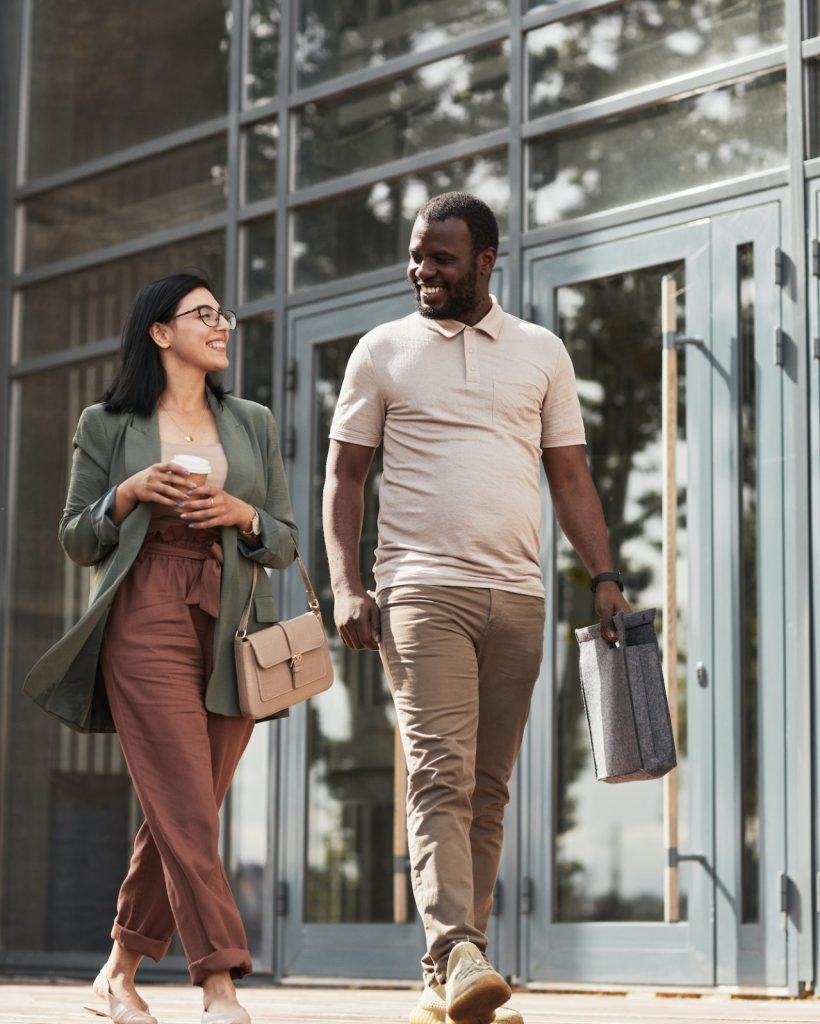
(625, 700)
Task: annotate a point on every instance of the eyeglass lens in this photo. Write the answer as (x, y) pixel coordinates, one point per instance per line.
(210, 316)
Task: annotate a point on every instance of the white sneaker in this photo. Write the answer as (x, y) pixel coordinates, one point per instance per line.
(474, 990)
(432, 1009)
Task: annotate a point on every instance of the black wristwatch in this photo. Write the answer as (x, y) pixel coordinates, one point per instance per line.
(604, 577)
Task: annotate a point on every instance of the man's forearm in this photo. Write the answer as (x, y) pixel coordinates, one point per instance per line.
(342, 515)
(581, 517)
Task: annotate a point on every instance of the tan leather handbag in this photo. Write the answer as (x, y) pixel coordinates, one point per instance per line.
(283, 664)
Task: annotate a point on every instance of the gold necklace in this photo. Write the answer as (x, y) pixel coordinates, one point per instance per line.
(188, 437)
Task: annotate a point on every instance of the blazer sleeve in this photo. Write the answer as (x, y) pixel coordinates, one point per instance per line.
(279, 534)
(87, 532)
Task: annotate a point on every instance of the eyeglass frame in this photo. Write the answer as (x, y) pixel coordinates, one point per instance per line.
(226, 314)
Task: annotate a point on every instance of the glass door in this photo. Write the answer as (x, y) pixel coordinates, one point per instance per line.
(344, 889)
(594, 857)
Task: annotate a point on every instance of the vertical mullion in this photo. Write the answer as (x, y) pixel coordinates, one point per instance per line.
(14, 61)
(232, 262)
(515, 155)
(796, 526)
(281, 270)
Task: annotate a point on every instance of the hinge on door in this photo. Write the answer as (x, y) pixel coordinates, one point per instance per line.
(497, 899)
(525, 900)
(815, 257)
(785, 892)
(282, 899)
(292, 376)
(289, 446)
(779, 267)
(816, 348)
(778, 346)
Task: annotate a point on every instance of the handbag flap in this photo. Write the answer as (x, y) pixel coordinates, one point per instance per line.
(281, 641)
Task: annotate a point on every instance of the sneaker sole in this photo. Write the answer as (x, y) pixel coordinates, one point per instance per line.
(422, 1016)
(480, 1001)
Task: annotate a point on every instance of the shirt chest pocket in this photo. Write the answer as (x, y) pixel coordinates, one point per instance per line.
(517, 409)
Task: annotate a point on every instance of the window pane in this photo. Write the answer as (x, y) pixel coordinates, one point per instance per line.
(338, 36)
(92, 64)
(261, 77)
(814, 105)
(440, 103)
(609, 844)
(76, 309)
(352, 830)
(637, 43)
(250, 808)
(256, 371)
(370, 228)
(261, 150)
(714, 136)
(258, 253)
(60, 787)
(748, 399)
(174, 188)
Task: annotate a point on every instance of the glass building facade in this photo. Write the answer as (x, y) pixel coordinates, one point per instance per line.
(283, 148)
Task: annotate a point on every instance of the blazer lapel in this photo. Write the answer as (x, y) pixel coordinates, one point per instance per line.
(142, 447)
(238, 451)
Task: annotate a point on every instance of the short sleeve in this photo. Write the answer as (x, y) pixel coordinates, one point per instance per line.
(561, 421)
(359, 415)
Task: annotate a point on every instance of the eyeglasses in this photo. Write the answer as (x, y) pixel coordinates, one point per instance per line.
(210, 316)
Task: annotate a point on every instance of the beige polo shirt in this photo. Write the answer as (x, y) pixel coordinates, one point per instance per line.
(463, 413)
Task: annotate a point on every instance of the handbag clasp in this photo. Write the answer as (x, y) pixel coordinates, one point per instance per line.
(296, 662)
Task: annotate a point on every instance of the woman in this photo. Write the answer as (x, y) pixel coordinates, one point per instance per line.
(153, 655)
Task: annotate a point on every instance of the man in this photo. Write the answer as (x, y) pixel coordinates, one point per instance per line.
(466, 399)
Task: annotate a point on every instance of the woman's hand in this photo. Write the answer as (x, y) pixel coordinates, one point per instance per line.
(164, 483)
(206, 507)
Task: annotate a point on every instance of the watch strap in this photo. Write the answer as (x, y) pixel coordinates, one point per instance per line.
(606, 577)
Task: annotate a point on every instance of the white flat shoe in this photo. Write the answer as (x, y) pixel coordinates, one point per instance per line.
(115, 1009)
(238, 1015)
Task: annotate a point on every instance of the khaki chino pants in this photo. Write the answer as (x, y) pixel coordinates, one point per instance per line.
(461, 663)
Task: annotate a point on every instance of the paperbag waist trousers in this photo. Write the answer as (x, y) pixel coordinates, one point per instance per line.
(155, 659)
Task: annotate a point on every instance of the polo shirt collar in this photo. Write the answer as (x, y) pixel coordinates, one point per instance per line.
(491, 324)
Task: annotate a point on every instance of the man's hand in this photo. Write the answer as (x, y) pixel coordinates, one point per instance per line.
(358, 621)
(608, 602)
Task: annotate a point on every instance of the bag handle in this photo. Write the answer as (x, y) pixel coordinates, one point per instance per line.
(312, 600)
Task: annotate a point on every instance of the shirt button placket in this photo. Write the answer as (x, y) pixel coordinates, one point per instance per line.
(471, 357)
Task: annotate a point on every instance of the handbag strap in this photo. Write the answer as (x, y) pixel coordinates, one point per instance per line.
(312, 600)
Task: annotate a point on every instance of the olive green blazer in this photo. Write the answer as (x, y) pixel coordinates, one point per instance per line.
(108, 448)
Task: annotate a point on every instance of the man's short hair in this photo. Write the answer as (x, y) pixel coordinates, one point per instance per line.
(475, 213)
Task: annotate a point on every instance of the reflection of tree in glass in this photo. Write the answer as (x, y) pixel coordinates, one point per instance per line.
(263, 39)
(641, 41)
(461, 97)
(340, 36)
(611, 327)
(369, 229)
(350, 748)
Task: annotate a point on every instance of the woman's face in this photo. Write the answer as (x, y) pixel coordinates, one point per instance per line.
(188, 341)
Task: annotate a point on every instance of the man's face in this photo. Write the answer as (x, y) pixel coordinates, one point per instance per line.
(444, 271)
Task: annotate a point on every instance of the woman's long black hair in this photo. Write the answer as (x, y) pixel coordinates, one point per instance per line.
(141, 378)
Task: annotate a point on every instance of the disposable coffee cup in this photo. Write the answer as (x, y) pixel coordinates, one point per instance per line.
(197, 467)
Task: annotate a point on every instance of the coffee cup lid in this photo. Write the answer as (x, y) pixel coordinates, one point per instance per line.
(193, 463)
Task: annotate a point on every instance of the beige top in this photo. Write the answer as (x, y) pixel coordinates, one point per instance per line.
(162, 515)
(463, 413)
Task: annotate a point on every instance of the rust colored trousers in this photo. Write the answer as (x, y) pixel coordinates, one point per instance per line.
(155, 659)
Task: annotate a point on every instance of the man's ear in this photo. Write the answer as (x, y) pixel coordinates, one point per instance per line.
(485, 261)
(160, 335)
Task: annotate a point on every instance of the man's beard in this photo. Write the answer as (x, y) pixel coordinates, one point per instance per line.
(459, 302)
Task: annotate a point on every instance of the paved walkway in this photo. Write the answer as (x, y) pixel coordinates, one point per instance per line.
(176, 1004)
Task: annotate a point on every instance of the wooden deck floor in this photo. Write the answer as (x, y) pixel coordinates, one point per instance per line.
(174, 1004)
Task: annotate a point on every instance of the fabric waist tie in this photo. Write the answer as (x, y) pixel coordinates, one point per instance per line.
(204, 590)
